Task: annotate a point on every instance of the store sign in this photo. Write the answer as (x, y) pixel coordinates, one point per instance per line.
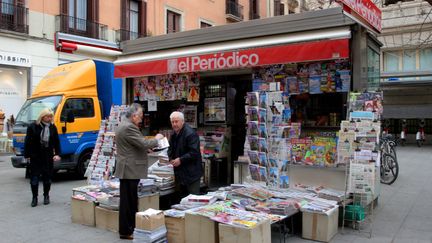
(15, 59)
(299, 52)
(365, 9)
(212, 62)
(8, 92)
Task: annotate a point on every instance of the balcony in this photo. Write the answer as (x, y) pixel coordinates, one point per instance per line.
(82, 27)
(124, 35)
(13, 17)
(234, 11)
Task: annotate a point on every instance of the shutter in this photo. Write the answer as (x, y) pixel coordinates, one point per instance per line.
(124, 14)
(277, 5)
(142, 19)
(64, 15)
(177, 23)
(64, 7)
(170, 22)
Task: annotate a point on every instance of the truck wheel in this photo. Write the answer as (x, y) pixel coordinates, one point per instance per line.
(83, 162)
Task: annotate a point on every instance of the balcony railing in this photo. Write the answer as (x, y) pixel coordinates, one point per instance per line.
(13, 17)
(82, 27)
(124, 35)
(234, 11)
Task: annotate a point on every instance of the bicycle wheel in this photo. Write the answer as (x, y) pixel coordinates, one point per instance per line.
(392, 151)
(389, 169)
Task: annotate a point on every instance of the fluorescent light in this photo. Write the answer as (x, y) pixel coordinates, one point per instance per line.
(20, 72)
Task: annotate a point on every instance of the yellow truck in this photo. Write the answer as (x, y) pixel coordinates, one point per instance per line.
(81, 95)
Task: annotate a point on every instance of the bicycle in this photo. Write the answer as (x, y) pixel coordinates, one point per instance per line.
(389, 167)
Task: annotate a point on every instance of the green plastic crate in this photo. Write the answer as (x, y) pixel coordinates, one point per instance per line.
(354, 212)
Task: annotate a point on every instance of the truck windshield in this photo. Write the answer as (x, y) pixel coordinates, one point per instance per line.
(32, 107)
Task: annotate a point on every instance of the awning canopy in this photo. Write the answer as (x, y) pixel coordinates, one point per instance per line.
(305, 47)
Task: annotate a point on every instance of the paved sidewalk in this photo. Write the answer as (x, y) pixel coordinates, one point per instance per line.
(404, 212)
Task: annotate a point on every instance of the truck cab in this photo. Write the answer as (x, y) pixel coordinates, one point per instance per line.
(71, 91)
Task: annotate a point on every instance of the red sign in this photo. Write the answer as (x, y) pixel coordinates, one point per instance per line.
(299, 52)
(367, 10)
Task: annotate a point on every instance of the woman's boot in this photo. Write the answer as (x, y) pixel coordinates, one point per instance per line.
(47, 187)
(35, 195)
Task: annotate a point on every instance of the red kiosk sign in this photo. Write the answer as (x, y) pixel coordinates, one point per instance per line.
(242, 58)
(366, 10)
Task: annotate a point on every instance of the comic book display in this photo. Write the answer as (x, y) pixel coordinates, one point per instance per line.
(167, 87)
(313, 78)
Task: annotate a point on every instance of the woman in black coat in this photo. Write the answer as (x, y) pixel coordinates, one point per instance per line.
(41, 149)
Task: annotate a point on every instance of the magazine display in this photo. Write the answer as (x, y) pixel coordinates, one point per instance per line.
(358, 143)
(269, 136)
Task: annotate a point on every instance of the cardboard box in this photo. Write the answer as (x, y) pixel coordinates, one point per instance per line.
(232, 234)
(149, 222)
(107, 219)
(200, 229)
(83, 212)
(149, 201)
(175, 229)
(320, 227)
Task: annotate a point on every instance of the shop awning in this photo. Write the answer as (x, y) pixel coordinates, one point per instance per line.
(310, 46)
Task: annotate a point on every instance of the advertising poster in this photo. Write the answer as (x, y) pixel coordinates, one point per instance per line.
(214, 109)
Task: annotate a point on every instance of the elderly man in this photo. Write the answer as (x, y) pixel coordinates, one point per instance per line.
(184, 154)
(131, 166)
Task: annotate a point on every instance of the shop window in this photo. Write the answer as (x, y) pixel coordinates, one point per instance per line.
(425, 59)
(173, 22)
(391, 61)
(373, 69)
(81, 108)
(409, 60)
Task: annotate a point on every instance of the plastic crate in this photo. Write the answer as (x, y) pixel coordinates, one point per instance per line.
(354, 213)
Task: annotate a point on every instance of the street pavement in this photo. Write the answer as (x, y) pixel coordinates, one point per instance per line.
(403, 214)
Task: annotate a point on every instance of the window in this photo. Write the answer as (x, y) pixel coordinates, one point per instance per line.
(253, 9)
(7, 7)
(391, 61)
(409, 60)
(77, 10)
(204, 25)
(425, 59)
(80, 17)
(173, 22)
(373, 59)
(133, 19)
(81, 108)
(279, 8)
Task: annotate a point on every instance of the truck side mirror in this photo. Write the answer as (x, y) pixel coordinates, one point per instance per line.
(70, 117)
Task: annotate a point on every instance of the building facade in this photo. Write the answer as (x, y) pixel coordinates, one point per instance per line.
(406, 63)
(37, 35)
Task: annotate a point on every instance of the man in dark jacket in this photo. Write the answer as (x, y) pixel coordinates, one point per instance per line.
(184, 154)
